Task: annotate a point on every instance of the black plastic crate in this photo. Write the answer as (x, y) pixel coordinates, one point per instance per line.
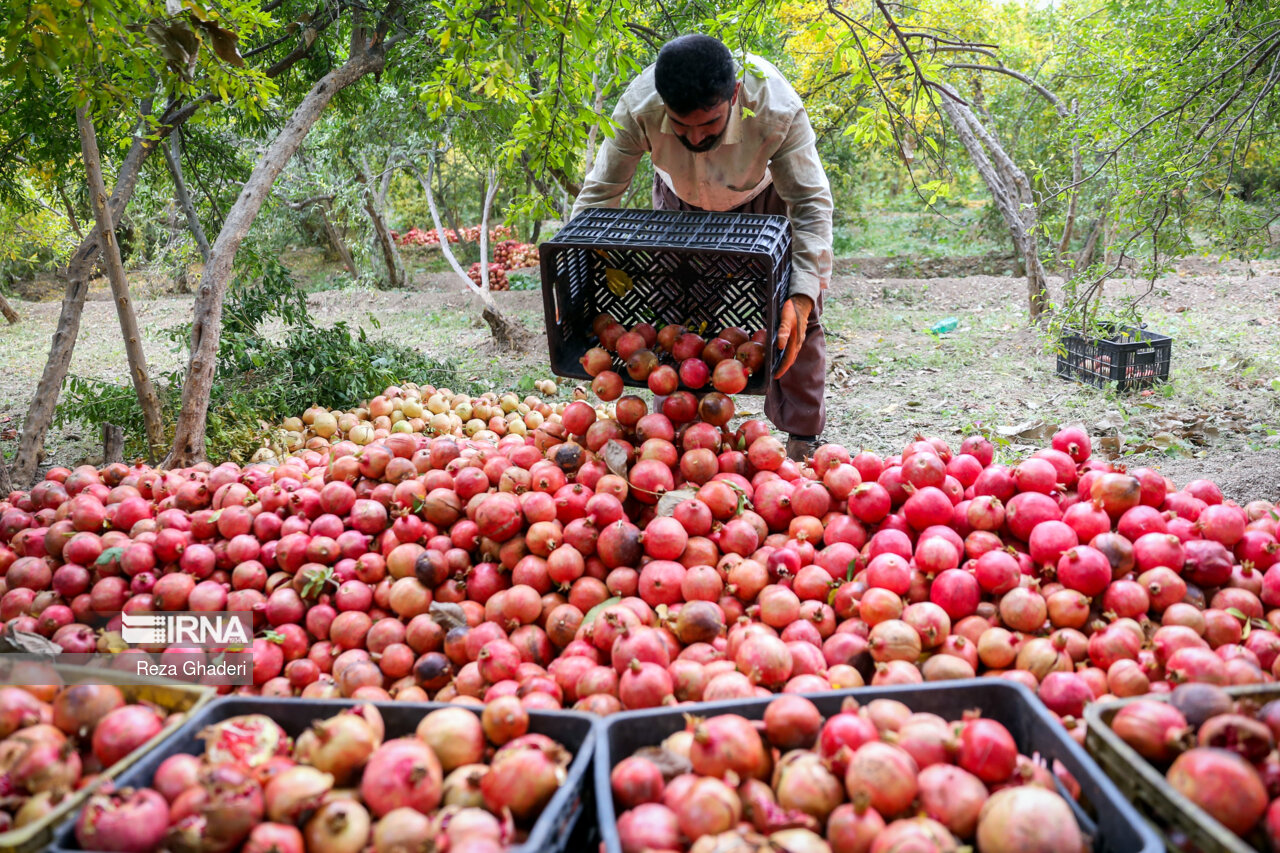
(1103, 812)
(708, 271)
(553, 830)
(1131, 358)
(1146, 786)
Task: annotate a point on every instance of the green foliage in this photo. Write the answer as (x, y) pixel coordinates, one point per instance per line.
(524, 280)
(260, 378)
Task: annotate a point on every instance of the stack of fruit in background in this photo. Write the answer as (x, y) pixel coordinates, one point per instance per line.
(418, 237)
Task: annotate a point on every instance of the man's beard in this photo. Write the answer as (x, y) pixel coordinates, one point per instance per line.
(703, 146)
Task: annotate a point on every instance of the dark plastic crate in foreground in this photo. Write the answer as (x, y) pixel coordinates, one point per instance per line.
(1111, 822)
(1131, 358)
(1145, 784)
(708, 271)
(550, 834)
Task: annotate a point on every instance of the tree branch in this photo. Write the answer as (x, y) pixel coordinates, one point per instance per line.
(1049, 96)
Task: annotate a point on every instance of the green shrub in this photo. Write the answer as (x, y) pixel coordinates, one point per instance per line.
(260, 380)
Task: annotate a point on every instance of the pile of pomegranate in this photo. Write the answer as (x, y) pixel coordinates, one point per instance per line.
(672, 358)
(55, 740)
(497, 276)
(620, 557)
(875, 779)
(460, 782)
(514, 255)
(418, 237)
(1216, 751)
(410, 408)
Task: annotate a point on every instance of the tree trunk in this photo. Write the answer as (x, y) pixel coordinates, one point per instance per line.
(112, 444)
(384, 184)
(1077, 172)
(507, 333)
(6, 485)
(189, 434)
(1085, 260)
(1109, 241)
(490, 190)
(7, 310)
(445, 248)
(1009, 188)
(172, 156)
(76, 275)
(588, 160)
(147, 397)
(381, 233)
(335, 240)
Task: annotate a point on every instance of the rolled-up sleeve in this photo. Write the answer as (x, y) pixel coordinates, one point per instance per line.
(615, 164)
(801, 182)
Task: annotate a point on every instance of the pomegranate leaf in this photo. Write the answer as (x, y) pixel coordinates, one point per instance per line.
(1238, 613)
(743, 503)
(595, 611)
(223, 42)
(615, 458)
(668, 502)
(448, 615)
(108, 556)
(315, 586)
(273, 637)
(25, 642)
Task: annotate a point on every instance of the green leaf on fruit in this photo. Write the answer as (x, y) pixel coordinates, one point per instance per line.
(108, 556)
(595, 611)
(316, 584)
(273, 637)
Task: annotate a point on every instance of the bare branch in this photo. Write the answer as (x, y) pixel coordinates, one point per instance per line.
(1049, 96)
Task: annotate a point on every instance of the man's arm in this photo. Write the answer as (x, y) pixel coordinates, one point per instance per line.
(615, 164)
(802, 184)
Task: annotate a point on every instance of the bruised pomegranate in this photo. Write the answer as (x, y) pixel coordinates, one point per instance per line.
(128, 821)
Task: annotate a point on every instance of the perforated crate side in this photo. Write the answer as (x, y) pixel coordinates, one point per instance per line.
(705, 270)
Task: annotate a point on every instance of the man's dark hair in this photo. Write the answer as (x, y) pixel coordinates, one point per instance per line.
(694, 72)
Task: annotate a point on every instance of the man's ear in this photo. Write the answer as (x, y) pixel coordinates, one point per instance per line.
(736, 87)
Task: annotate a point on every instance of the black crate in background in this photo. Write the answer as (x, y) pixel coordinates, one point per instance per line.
(1131, 358)
(1112, 823)
(553, 832)
(708, 271)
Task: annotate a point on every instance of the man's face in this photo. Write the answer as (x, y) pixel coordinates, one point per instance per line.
(701, 130)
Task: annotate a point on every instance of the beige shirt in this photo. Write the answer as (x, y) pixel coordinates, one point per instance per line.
(773, 144)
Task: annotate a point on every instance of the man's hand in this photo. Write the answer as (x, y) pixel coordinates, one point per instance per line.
(791, 329)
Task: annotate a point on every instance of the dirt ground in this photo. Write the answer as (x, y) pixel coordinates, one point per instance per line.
(889, 379)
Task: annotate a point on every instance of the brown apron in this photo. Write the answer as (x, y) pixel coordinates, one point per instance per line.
(795, 403)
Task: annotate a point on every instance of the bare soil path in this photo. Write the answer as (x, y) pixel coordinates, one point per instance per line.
(889, 378)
